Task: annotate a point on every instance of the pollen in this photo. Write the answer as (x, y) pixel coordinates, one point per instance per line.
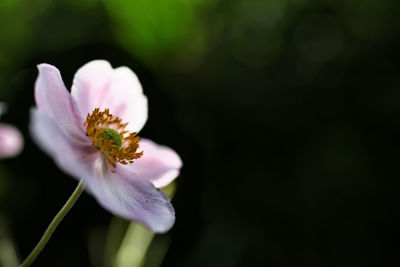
(108, 135)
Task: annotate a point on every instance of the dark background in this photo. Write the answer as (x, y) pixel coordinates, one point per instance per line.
(285, 114)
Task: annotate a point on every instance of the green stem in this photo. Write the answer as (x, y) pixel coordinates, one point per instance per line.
(53, 225)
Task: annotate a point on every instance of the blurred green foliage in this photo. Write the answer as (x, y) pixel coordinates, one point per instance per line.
(161, 32)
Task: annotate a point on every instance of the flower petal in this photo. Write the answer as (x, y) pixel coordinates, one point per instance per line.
(55, 101)
(11, 141)
(72, 156)
(98, 85)
(159, 164)
(121, 193)
(133, 198)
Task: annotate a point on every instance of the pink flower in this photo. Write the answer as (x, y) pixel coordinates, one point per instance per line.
(11, 140)
(91, 135)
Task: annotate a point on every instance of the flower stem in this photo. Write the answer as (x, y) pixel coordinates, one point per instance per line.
(53, 225)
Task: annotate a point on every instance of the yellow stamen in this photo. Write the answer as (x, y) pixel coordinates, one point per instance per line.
(108, 135)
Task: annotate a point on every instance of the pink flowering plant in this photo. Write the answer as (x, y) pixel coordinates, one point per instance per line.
(91, 133)
(11, 140)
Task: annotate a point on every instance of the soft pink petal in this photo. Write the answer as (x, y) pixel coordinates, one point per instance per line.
(123, 194)
(11, 141)
(98, 85)
(133, 198)
(54, 100)
(159, 164)
(72, 156)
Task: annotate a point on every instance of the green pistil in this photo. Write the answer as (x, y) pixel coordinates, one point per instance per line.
(114, 136)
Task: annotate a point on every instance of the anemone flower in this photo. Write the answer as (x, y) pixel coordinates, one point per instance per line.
(91, 133)
(11, 140)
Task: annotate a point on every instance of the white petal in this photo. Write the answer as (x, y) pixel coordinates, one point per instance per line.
(71, 156)
(159, 164)
(133, 198)
(54, 100)
(98, 85)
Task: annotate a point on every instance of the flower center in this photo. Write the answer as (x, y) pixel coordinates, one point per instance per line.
(109, 136)
(113, 136)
